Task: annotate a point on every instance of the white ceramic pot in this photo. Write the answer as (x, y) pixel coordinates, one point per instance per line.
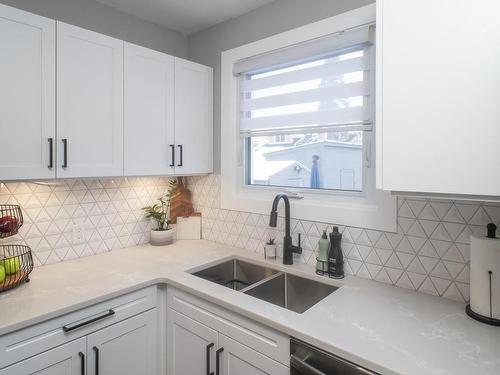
(162, 237)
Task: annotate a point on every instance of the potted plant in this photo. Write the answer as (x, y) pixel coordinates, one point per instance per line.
(162, 232)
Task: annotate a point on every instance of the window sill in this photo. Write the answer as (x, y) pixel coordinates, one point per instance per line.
(377, 212)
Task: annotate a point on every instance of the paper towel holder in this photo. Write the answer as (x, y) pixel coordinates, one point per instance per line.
(491, 230)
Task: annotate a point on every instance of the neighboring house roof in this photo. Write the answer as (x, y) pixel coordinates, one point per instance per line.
(313, 145)
(274, 167)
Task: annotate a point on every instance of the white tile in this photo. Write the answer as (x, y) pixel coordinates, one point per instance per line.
(416, 266)
(405, 211)
(428, 213)
(440, 271)
(454, 216)
(383, 276)
(416, 206)
(440, 284)
(441, 208)
(428, 250)
(416, 279)
(428, 287)
(467, 211)
(453, 293)
(404, 282)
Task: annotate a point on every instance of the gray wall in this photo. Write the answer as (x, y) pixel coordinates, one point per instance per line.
(206, 46)
(92, 15)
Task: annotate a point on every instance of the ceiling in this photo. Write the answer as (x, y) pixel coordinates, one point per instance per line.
(185, 16)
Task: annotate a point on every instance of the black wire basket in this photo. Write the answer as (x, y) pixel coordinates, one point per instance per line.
(11, 219)
(16, 263)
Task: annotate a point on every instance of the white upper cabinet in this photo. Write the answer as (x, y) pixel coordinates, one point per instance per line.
(438, 96)
(193, 118)
(89, 103)
(76, 103)
(149, 112)
(27, 95)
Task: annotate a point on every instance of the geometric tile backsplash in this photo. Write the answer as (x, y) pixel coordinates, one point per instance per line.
(429, 253)
(67, 219)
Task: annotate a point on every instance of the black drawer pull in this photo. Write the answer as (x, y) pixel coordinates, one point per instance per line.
(51, 153)
(209, 346)
(82, 363)
(180, 156)
(217, 360)
(65, 153)
(96, 351)
(172, 147)
(70, 327)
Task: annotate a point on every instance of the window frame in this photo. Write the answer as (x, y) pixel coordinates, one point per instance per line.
(369, 208)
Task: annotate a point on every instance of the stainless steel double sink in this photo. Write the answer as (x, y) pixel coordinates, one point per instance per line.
(289, 291)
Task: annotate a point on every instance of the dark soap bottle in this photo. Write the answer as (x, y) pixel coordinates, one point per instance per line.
(335, 256)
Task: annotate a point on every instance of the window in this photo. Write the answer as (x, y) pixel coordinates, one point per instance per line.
(269, 114)
(303, 123)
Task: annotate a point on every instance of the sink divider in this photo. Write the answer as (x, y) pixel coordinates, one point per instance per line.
(260, 282)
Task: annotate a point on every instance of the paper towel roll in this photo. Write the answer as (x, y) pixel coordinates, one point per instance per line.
(485, 258)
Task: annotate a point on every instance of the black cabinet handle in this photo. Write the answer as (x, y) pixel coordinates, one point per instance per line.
(180, 156)
(217, 360)
(65, 153)
(96, 351)
(51, 153)
(172, 148)
(82, 363)
(209, 346)
(69, 328)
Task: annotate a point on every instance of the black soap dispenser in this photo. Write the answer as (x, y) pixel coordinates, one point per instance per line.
(335, 256)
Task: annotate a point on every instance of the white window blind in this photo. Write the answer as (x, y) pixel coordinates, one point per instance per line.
(328, 91)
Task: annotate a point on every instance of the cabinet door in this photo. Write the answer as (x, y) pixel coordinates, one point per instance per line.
(189, 343)
(149, 112)
(193, 118)
(125, 348)
(89, 103)
(237, 359)
(27, 94)
(438, 95)
(67, 359)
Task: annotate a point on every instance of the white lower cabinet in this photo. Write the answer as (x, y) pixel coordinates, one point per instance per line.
(114, 337)
(238, 359)
(191, 345)
(203, 338)
(125, 348)
(67, 359)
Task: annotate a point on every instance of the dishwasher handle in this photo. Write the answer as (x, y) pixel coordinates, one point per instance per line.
(303, 366)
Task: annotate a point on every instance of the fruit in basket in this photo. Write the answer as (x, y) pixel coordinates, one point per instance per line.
(8, 224)
(2, 274)
(11, 265)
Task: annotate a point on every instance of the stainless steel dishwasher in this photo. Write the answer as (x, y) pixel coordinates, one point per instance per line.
(308, 360)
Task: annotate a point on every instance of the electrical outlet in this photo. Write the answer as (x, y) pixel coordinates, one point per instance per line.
(78, 233)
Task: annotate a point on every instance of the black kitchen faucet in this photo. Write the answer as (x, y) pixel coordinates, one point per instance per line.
(288, 247)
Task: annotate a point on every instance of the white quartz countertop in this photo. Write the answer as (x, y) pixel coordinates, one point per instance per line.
(387, 329)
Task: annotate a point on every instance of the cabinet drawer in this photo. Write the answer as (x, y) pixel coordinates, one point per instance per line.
(263, 339)
(29, 341)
